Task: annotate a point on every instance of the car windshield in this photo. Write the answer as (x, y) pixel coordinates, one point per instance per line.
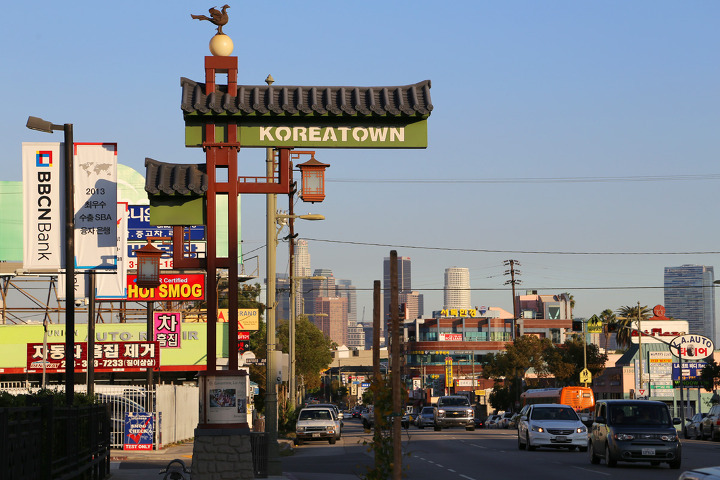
(553, 413)
(427, 411)
(640, 415)
(454, 402)
(315, 415)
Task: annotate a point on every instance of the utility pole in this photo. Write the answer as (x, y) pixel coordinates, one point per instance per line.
(512, 271)
(395, 349)
(640, 350)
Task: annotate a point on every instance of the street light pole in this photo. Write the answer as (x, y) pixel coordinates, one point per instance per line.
(271, 413)
(35, 123)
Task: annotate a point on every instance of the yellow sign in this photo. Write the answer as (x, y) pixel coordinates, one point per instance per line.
(480, 393)
(448, 372)
(458, 312)
(594, 325)
(585, 376)
(248, 318)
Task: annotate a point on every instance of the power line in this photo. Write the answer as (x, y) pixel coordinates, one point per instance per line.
(486, 250)
(641, 178)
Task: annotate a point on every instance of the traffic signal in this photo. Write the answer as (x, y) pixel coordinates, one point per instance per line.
(577, 326)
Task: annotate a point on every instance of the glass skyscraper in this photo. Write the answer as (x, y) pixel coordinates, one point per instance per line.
(689, 295)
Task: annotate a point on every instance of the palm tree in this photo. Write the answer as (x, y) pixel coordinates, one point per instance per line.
(625, 317)
(608, 318)
(571, 301)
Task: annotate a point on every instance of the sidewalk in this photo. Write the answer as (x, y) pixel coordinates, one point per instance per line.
(147, 464)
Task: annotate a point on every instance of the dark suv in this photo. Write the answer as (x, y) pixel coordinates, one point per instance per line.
(634, 431)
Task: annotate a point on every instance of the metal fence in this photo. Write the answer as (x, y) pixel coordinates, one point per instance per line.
(61, 443)
(259, 445)
(175, 407)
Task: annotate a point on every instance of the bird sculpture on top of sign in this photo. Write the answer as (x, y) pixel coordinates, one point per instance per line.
(217, 17)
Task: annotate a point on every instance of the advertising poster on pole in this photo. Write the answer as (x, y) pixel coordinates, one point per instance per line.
(95, 188)
(43, 207)
(139, 431)
(226, 399)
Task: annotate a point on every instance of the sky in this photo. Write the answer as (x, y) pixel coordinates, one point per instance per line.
(578, 138)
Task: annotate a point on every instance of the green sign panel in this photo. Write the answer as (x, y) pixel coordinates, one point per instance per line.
(376, 135)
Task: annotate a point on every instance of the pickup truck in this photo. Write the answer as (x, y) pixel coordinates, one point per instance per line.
(454, 411)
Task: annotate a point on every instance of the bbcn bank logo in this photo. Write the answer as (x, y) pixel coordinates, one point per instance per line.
(43, 158)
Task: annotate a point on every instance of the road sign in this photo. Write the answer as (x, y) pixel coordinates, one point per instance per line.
(594, 325)
(642, 391)
(585, 376)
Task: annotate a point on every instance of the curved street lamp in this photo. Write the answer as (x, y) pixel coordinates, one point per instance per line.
(36, 123)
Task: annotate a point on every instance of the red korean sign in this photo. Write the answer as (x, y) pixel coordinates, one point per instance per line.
(108, 357)
(178, 287)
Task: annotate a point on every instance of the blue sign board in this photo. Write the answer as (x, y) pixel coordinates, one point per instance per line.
(139, 431)
(365, 385)
(139, 227)
(690, 373)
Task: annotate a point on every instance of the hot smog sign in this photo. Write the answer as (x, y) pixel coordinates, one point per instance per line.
(692, 347)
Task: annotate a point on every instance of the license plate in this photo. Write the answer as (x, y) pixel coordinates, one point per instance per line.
(316, 435)
(561, 438)
(648, 451)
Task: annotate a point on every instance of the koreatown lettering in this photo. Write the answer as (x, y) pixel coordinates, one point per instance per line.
(333, 134)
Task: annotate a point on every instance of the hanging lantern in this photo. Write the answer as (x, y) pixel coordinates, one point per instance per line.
(148, 266)
(313, 180)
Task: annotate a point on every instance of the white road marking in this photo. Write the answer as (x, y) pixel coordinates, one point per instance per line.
(465, 476)
(593, 471)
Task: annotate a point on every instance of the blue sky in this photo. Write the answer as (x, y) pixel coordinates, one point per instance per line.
(611, 91)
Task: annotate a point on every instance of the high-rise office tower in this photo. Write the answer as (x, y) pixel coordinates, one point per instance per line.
(301, 265)
(346, 289)
(457, 288)
(414, 304)
(315, 288)
(689, 295)
(333, 319)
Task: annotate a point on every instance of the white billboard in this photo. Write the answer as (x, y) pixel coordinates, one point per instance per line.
(43, 208)
(658, 331)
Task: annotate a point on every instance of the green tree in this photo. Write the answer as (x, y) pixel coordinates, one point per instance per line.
(567, 361)
(315, 349)
(608, 318)
(508, 368)
(710, 375)
(625, 317)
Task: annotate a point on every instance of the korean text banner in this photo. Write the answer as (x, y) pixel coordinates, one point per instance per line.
(95, 188)
(43, 207)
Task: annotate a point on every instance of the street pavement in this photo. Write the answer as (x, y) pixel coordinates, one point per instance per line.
(147, 464)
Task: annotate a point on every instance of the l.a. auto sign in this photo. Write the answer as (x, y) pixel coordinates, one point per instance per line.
(692, 347)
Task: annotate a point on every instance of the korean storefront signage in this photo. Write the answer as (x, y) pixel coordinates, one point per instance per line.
(108, 356)
(167, 329)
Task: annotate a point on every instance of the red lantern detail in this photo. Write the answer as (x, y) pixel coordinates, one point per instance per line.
(148, 266)
(313, 180)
